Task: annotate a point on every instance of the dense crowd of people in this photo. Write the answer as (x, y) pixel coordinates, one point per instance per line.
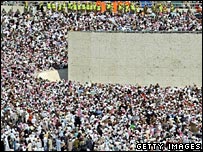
(39, 115)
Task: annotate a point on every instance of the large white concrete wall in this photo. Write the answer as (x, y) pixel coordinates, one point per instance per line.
(170, 59)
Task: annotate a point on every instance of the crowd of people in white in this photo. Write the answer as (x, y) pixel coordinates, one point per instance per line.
(39, 115)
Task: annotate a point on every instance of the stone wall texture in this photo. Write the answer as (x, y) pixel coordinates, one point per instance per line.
(170, 59)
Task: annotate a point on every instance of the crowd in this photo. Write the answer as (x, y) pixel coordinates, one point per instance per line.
(38, 115)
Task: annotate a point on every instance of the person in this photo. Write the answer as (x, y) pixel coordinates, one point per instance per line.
(94, 7)
(153, 8)
(29, 146)
(127, 6)
(58, 144)
(64, 7)
(134, 113)
(98, 6)
(79, 6)
(74, 7)
(50, 145)
(41, 6)
(87, 7)
(99, 129)
(145, 9)
(53, 6)
(70, 144)
(90, 143)
(77, 121)
(120, 6)
(26, 7)
(83, 7)
(75, 145)
(2, 145)
(108, 7)
(172, 8)
(165, 9)
(48, 5)
(59, 7)
(91, 6)
(70, 6)
(160, 8)
(6, 143)
(132, 8)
